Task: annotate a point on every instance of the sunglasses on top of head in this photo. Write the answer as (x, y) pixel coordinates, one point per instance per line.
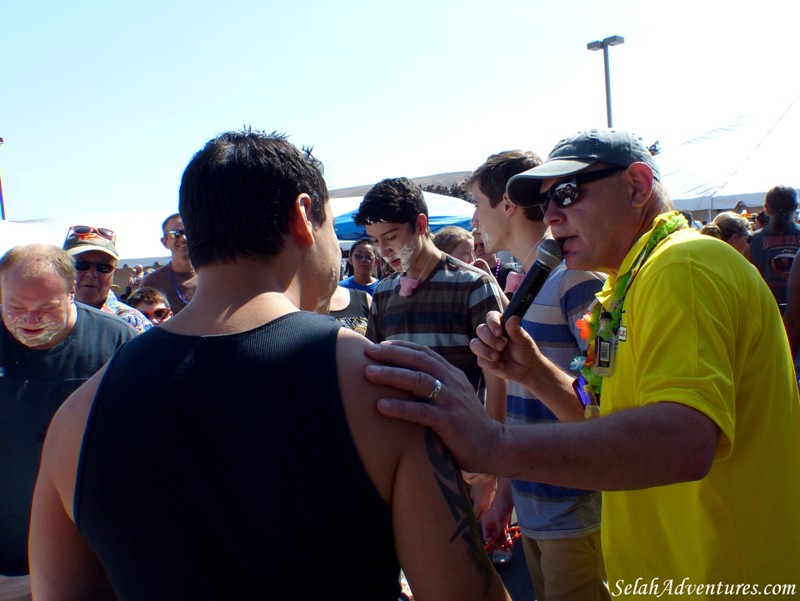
(104, 268)
(566, 192)
(86, 231)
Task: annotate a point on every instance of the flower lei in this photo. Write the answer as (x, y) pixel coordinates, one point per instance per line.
(590, 322)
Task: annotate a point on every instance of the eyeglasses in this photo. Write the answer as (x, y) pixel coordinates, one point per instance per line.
(566, 193)
(86, 231)
(158, 314)
(104, 268)
(360, 257)
(175, 234)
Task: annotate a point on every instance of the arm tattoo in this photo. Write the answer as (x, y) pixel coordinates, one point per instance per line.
(454, 491)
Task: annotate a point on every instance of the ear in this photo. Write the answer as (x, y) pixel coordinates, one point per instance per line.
(164, 242)
(422, 224)
(509, 208)
(640, 177)
(300, 226)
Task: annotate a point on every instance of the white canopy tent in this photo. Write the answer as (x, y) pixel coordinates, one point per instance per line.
(16, 233)
(138, 233)
(734, 165)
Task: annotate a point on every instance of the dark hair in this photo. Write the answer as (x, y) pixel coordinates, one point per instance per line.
(396, 200)
(167, 220)
(781, 201)
(237, 194)
(495, 172)
(147, 295)
(361, 242)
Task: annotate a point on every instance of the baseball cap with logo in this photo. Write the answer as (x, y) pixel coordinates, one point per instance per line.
(574, 154)
(83, 238)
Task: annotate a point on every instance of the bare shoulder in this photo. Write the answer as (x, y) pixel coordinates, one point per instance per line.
(357, 391)
(439, 548)
(380, 441)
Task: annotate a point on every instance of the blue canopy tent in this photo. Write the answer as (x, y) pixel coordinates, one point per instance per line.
(442, 211)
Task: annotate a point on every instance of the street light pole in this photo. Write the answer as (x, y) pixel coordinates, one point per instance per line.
(2, 203)
(614, 40)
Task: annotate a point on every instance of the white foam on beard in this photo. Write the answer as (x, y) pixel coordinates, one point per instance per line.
(405, 254)
(42, 337)
(487, 240)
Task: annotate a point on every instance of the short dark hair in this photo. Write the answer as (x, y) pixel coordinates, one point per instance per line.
(360, 242)
(147, 295)
(495, 172)
(237, 194)
(167, 220)
(394, 200)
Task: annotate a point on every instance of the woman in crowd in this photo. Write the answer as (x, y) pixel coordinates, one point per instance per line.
(456, 242)
(362, 260)
(731, 228)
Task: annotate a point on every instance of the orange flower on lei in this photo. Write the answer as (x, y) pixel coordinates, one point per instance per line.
(583, 326)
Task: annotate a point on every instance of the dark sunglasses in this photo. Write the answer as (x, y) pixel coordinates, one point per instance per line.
(159, 314)
(360, 257)
(86, 231)
(566, 193)
(104, 268)
(175, 234)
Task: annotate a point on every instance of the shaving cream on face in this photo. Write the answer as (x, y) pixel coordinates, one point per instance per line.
(487, 241)
(405, 254)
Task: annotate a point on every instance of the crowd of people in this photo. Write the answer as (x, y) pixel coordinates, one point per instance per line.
(641, 418)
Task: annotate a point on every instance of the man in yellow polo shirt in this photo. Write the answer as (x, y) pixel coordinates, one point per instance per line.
(697, 447)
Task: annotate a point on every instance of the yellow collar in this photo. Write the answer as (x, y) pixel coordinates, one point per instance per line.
(633, 253)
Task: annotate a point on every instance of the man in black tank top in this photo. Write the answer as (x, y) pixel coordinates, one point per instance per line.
(257, 429)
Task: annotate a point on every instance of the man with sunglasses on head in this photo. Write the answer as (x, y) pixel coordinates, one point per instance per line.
(177, 279)
(697, 446)
(96, 259)
(49, 346)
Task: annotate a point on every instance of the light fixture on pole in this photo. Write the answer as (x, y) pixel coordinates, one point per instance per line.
(614, 40)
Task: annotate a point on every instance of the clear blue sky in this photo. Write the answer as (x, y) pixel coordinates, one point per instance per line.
(102, 104)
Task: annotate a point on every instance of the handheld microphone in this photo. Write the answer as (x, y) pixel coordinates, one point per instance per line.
(548, 256)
